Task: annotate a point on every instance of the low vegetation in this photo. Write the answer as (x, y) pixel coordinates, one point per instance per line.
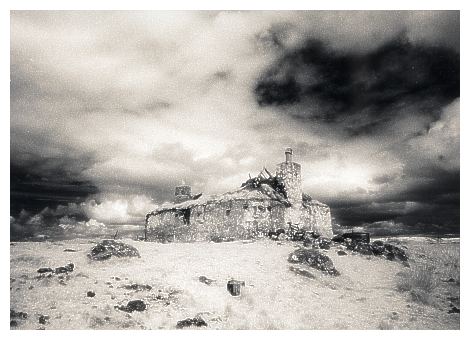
(184, 285)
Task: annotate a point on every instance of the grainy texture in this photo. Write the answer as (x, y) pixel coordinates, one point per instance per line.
(246, 213)
(364, 296)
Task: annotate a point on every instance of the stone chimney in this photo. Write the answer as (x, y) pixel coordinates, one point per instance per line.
(290, 174)
(182, 193)
(288, 155)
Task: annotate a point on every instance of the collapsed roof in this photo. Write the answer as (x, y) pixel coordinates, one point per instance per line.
(262, 187)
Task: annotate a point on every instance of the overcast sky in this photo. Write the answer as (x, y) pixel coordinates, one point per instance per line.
(111, 110)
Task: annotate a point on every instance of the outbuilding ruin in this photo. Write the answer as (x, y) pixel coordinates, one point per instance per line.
(262, 204)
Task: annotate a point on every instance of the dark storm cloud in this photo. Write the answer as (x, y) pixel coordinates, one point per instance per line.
(361, 91)
(114, 109)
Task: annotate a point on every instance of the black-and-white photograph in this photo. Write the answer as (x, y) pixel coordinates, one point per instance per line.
(234, 169)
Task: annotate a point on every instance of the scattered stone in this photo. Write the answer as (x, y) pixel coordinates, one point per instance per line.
(90, 293)
(68, 250)
(132, 306)
(314, 259)
(18, 315)
(298, 235)
(451, 279)
(65, 269)
(45, 270)
(107, 248)
(341, 253)
(454, 310)
(43, 319)
(13, 323)
(377, 247)
(136, 287)
(234, 287)
(357, 237)
(196, 321)
(206, 280)
(30, 287)
(361, 248)
(302, 272)
(322, 243)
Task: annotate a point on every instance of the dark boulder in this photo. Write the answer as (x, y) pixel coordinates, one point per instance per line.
(13, 323)
(378, 248)
(132, 306)
(196, 321)
(18, 315)
(314, 259)
(361, 248)
(234, 287)
(341, 253)
(108, 248)
(45, 270)
(454, 310)
(90, 293)
(43, 319)
(65, 269)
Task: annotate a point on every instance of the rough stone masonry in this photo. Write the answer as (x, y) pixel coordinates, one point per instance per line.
(262, 204)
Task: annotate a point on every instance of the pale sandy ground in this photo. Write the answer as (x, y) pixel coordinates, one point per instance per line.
(364, 296)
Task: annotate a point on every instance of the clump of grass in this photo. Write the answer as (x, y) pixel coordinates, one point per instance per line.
(420, 281)
(448, 260)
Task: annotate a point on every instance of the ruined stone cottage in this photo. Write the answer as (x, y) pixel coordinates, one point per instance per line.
(262, 204)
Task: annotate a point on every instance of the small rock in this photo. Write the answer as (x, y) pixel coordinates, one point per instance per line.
(70, 250)
(65, 269)
(454, 310)
(43, 319)
(196, 321)
(45, 270)
(341, 253)
(205, 280)
(135, 286)
(90, 293)
(132, 306)
(18, 315)
(314, 259)
(13, 323)
(234, 287)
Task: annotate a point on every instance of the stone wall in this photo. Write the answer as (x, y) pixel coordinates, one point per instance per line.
(317, 216)
(239, 219)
